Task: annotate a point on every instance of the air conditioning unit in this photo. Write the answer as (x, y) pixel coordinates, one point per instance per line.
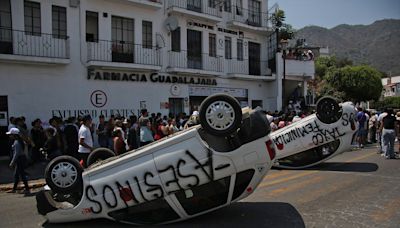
(74, 3)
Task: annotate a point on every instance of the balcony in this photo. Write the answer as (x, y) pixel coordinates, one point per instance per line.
(152, 4)
(199, 64)
(300, 68)
(121, 54)
(198, 9)
(28, 47)
(249, 20)
(244, 69)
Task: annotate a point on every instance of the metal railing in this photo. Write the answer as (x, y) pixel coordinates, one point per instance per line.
(204, 61)
(199, 6)
(250, 17)
(17, 42)
(123, 52)
(244, 66)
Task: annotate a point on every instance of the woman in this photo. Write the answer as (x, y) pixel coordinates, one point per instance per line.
(172, 127)
(161, 130)
(118, 141)
(18, 161)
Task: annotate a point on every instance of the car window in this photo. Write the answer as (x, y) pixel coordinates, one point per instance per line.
(310, 156)
(156, 211)
(204, 197)
(242, 181)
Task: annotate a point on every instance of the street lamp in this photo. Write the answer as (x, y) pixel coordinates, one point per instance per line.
(284, 45)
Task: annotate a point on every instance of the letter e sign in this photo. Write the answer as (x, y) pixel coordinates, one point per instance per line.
(98, 98)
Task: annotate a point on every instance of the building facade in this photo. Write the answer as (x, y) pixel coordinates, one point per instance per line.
(115, 57)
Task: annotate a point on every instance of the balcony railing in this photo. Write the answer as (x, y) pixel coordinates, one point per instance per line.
(16, 42)
(300, 68)
(185, 59)
(199, 6)
(246, 67)
(250, 17)
(123, 52)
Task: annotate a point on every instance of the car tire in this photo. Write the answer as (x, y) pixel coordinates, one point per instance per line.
(64, 174)
(328, 110)
(99, 154)
(220, 114)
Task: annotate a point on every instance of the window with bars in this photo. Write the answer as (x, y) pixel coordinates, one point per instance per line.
(228, 48)
(59, 22)
(212, 42)
(227, 6)
(92, 26)
(32, 18)
(122, 29)
(176, 40)
(212, 3)
(147, 34)
(5, 14)
(240, 49)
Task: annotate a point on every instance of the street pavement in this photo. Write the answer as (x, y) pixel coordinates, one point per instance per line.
(356, 189)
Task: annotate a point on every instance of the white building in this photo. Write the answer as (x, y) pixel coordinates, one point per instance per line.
(391, 86)
(69, 58)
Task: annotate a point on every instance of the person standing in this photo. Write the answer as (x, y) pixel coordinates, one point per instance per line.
(361, 134)
(85, 139)
(102, 132)
(388, 134)
(38, 139)
(18, 161)
(71, 133)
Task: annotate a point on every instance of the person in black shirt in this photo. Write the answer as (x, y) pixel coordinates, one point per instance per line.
(71, 135)
(38, 138)
(388, 134)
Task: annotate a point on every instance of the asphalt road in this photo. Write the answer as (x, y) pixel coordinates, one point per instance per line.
(355, 189)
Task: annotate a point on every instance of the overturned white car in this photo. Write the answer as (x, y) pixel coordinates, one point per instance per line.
(317, 137)
(188, 174)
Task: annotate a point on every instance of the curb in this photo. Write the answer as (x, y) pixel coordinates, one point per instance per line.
(32, 184)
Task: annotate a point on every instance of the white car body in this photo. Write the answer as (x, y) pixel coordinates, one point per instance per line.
(308, 134)
(176, 178)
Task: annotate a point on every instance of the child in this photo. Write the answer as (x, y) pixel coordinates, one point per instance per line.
(18, 160)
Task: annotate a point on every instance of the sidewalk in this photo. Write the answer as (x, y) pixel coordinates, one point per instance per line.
(35, 175)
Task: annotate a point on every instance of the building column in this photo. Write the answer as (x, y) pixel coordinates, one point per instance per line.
(279, 78)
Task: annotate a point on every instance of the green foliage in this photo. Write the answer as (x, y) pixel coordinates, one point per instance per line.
(387, 102)
(286, 31)
(358, 83)
(325, 65)
(278, 18)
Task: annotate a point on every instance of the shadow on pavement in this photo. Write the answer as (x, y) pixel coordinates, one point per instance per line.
(241, 214)
(346, 167)
(35, 171)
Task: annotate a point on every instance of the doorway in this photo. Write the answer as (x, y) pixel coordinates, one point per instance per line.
(4, 142)
(194, 49)
(175, 106)
(254, 59)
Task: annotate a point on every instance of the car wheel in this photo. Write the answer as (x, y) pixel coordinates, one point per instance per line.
(64, 174)
(99, 154)
(220, 114)
(328, 110)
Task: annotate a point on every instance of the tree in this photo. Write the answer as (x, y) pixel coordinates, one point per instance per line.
(387, 102)
(358, 83)
(285, 31)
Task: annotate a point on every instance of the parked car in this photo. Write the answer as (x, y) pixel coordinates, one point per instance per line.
(190, 173)
(317, 137)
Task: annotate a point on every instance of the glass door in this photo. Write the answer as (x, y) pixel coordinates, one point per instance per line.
(194, 49)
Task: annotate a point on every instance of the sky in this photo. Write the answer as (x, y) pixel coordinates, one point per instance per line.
(330, 13)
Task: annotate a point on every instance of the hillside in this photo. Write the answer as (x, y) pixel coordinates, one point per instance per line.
(377, 44)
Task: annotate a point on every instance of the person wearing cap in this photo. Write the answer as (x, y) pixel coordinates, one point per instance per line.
(18, 160)
(85, 138)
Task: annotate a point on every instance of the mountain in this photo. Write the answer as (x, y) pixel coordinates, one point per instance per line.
(377, 44)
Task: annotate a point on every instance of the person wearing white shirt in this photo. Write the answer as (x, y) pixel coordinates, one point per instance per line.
(85, 138)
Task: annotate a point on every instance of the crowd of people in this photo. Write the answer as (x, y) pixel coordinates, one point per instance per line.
(382, 128)
(75, 136)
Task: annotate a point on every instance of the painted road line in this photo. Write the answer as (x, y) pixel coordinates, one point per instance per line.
(293, 187)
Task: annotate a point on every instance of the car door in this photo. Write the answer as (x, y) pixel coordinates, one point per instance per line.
(196, 177)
